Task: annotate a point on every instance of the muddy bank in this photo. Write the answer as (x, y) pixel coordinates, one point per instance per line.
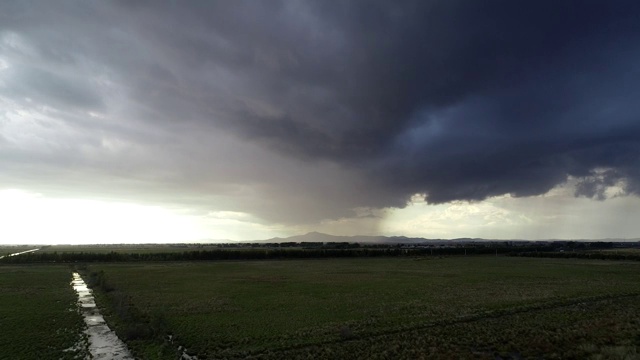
(103, 342)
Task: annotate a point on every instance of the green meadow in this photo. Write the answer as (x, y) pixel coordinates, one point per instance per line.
(38, 313)
(430, 307)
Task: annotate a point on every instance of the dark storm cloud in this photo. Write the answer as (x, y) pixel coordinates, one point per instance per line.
(363, 103)
(524, 93)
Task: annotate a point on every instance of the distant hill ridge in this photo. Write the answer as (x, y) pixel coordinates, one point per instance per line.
(315, 236)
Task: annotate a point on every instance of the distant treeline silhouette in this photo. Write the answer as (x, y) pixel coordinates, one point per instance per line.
(581, 255)
(263, 254)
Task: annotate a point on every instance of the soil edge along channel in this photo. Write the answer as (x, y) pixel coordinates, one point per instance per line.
(103, 342)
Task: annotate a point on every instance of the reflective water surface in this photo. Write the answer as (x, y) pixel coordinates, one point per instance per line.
(22, 252)
(103, 342)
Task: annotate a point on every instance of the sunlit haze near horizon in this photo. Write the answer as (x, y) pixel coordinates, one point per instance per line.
(166, 121)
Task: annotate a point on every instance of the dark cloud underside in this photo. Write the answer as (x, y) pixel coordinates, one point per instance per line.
(458, 100)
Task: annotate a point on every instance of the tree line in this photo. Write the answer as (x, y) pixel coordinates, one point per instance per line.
(581, 255)
(258, 254)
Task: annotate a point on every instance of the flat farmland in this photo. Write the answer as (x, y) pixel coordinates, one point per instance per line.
(456, 307)
(38, 313)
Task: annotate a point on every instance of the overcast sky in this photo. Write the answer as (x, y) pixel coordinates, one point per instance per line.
(187, 120)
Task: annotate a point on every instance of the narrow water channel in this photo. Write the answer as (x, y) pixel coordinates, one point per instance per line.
(20, 253)
(103, 342)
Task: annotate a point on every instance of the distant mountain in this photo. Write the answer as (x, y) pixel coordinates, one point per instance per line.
(321, 237)
(315, 236)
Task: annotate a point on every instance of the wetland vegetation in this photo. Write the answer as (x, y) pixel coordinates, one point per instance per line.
(376, 308)
(392, 305)
(38, 313)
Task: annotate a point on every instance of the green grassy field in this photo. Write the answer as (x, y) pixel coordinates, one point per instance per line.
(473, 307)
(38, 316)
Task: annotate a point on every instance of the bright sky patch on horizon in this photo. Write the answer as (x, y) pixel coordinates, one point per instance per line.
(32, 219)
